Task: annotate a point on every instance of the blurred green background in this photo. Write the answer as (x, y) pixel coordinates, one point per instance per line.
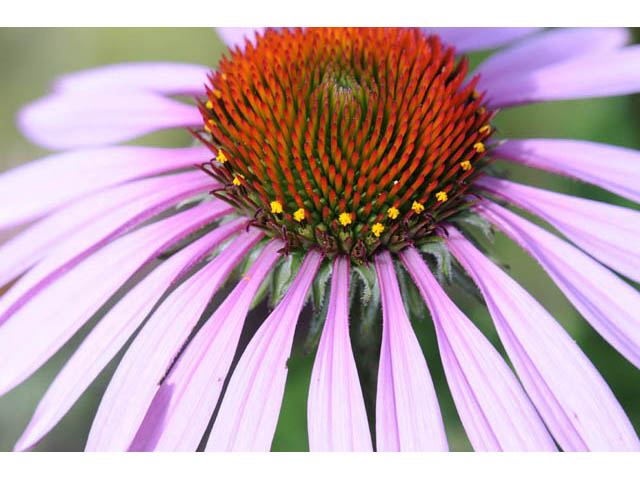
(32, 58)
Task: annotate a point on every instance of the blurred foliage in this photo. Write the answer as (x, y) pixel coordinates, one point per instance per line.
(32, 58)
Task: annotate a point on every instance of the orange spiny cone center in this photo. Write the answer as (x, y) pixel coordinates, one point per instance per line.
(348, 140)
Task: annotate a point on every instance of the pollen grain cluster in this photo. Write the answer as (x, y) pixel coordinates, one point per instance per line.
(347, 140)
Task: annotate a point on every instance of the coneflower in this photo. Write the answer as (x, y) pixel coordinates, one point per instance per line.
(334, 164)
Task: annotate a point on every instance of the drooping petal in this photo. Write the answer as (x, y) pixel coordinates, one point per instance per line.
(607, 302)
(250, 408)
(601, 74)
(496, 413)
(66, 120)
(112, 332)
(547, 48)
(336, 415)
(181, 410)
(573, 399)
(45, 323)
(468, 39)
(608, 232)
(613, 168)
(28, 192)
(163, 78)
(31, 245)
(136, 379)
(407, 411)
(237, 36)
(148, 198)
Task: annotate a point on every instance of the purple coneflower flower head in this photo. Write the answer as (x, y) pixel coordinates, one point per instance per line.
(337, 165)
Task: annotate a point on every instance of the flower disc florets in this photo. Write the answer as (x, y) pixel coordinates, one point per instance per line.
(348, 140)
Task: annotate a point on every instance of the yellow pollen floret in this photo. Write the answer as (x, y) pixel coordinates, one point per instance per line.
(475, 94)
(466, 165)
(485, 129)
(207, 129)
(377, 229)
(417, 207)
(221, 157)
(393, 213)
(236, 180)
(217, 93)
(345, 219)
(442, 196)
(298, 215)
(479, 147)
(209, 104)
(481, 110)
(276, 207)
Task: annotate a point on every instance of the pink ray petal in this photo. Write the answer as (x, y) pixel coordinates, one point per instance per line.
(163, 78)
(184, 404)
(113, 331)
(31, 245)
(407, 411)
(250, 408)
(468, 39)
(38, 329)
(616, 169)
(336, 414)
(66, 120)
(152, 196)
(496, 413)
(586, 283)
(546, 48)
(608, 232)
(237, 36)
(600, 74)
(136, 379)
(573, 399)
(28, 192)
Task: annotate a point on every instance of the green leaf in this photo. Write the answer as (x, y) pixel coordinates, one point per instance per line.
(318, 319)
(319, 286)
(366, 282)
(196, 199)
(366, 276)
(411, 297)
(283, 276)
(371, 314)
(442, 256)
(219, 249)
(251, 258)
(477, 222)
(319, 296)
(464, 282)
(264, 288)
